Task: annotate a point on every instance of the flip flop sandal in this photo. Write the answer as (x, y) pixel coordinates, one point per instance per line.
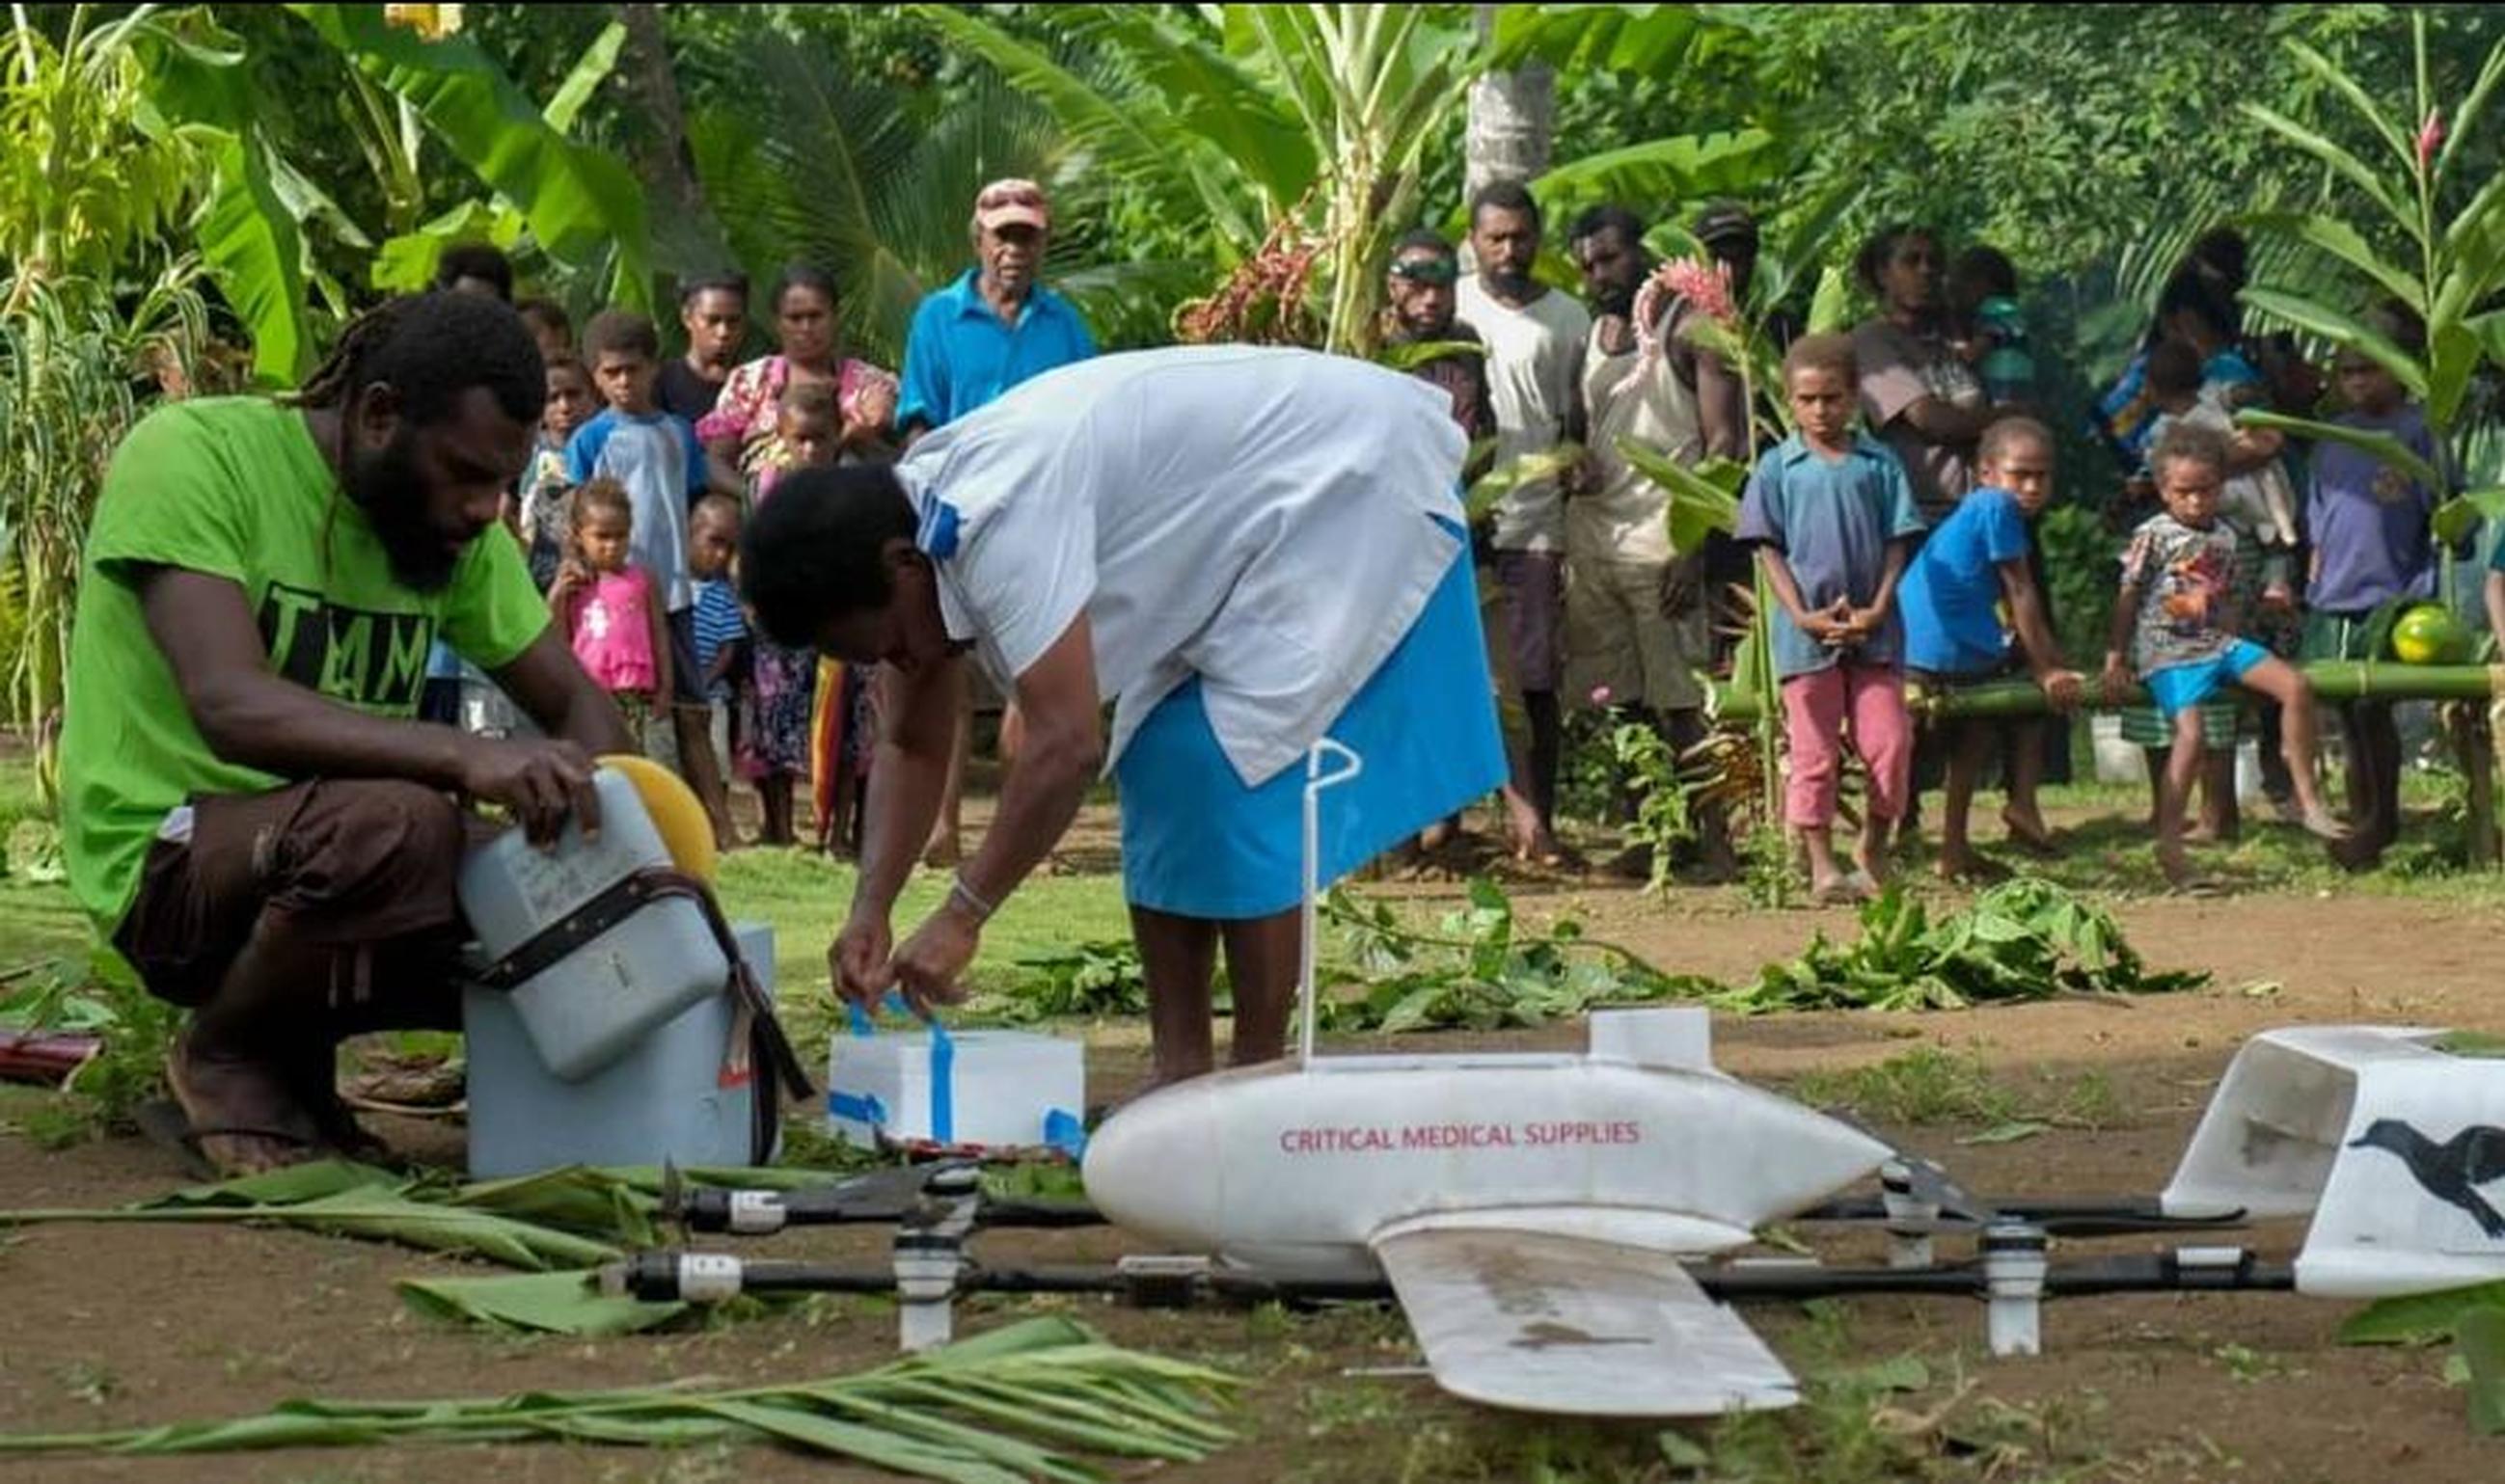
(166, 1125)
(2203, 887)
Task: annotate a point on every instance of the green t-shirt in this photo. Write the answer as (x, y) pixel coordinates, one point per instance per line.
(234, 487)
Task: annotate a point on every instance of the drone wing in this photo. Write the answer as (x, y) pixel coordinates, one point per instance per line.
(1552, 1321)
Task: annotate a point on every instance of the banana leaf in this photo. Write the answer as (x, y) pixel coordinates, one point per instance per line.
(1703, 500)
(2480, 1340)
(583, 206)
(1022, 1403)
(2417, 1319)
(376, 1213)
(549, 1303)
(568, 1218)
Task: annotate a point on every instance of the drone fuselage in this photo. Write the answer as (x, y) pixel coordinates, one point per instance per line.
(1296, 1167)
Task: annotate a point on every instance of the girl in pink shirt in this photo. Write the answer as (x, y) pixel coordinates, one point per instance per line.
(610, 609)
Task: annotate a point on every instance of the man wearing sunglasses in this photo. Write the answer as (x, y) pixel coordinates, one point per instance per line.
(1418, 288)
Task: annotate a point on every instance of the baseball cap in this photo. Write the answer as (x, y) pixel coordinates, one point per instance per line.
(1012, 202)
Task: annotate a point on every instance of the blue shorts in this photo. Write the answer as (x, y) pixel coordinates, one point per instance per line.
(1197, 843)
(2180, 687)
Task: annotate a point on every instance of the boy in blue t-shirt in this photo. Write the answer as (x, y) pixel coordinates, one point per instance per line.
(1974, 561)
(1830, 513)
(655, 456)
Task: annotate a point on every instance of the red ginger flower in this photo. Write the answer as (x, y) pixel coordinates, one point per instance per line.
(2430, 137)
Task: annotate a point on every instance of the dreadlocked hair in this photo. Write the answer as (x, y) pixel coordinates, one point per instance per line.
(432, 348)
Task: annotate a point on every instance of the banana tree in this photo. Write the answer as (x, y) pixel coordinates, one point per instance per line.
(1308, 123)
(405, 95)
(2449, 267)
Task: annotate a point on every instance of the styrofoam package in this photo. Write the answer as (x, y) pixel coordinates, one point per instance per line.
(663, 1099)
(590, 1008)
(1000, 1087)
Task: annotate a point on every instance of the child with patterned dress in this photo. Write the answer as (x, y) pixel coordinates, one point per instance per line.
(775, 706)
(541, 517)
(2175, 625)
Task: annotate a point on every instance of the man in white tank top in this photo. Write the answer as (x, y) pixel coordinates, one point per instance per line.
(1636, 612)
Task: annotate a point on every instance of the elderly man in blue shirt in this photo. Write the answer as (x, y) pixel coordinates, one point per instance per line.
(992, 329)
(996, 325)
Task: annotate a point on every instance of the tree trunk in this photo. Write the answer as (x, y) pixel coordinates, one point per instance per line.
(1512, 119)
(652, 91)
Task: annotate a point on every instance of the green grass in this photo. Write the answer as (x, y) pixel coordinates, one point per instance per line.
(1933, 1084)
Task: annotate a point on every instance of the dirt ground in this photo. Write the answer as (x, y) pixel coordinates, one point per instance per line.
(123, 1326)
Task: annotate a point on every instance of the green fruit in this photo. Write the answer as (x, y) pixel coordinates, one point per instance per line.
(2430, 635)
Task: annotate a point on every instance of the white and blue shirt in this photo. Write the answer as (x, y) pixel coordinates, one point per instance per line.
(658, 459)
(1272, 520)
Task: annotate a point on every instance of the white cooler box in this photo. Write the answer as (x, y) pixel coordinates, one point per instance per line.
(996, 1088)
(661, 1100)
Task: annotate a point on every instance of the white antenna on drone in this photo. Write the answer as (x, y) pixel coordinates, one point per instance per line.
(1316, 780)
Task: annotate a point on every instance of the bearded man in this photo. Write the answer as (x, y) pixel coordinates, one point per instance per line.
(252, 813)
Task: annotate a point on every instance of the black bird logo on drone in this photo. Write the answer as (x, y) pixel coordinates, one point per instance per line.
(2449, 1170)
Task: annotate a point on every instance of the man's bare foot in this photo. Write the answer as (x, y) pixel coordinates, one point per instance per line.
(2027, 832)
(1970, 866)
(1546, 851)
(2321, 822)
(2175, 863)
(244, 1120)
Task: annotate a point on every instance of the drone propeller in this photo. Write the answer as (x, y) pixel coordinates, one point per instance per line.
(1930, 1185)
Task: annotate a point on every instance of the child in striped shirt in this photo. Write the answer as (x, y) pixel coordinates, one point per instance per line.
(721, 638)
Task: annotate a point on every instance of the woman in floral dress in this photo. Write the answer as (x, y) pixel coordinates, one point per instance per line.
(743, 430)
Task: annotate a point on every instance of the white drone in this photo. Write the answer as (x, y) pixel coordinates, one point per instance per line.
(1558, 1227)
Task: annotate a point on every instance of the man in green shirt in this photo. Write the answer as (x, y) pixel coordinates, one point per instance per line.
(251, 812)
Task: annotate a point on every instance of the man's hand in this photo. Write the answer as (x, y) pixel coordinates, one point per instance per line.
(1580, 477)
(1682, 581)
(874, 411)
(2116, 679)
(539, 781)
(571, 576)
(858, 960)
(934, 959)
(2062, 688)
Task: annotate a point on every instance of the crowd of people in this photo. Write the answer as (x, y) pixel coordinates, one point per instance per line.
(648, 467)
(255, 825)
(1906, 548)
(1901, 550)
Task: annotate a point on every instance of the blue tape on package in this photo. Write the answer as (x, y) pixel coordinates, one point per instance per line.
(1064, 1132)
(943, 1080)
(864, 1109)
(943, 1072)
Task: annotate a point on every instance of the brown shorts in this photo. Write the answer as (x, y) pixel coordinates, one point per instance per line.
(361, 867)
(1534, 583)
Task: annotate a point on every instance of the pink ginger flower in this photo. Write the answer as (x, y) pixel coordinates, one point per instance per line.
(2430, 137)
(1705, 285)
(1600, 695)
